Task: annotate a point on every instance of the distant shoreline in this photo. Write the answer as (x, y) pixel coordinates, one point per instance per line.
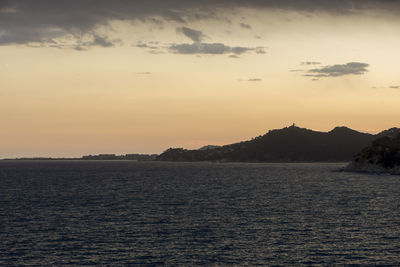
(111, 157)
(155, 160)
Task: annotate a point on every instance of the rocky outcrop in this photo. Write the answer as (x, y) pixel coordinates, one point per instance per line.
(383, 156)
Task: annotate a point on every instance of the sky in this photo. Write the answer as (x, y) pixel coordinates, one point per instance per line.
(82, 77)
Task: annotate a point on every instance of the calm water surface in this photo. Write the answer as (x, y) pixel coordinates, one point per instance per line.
(149, 213)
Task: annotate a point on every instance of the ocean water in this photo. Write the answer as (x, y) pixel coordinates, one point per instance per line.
(188, 214)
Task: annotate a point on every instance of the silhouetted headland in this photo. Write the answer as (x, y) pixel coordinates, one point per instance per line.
(290, 144)
(383, 156)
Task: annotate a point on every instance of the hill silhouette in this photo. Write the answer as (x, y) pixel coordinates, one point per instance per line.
(290, 144)
(383, 156)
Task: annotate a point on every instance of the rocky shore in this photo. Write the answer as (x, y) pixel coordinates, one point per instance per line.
(383, 156)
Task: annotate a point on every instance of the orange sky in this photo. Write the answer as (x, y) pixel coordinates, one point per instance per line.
(144, 92)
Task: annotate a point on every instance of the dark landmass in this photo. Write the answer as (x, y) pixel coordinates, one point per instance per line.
(208, 147)
(379, 153)
(383, 156)
(290, 144)
(137, 157)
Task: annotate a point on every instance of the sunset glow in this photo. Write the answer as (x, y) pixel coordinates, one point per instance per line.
(112, 80)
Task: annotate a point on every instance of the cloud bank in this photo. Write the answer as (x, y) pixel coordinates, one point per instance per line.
(199, 47)
(42, 21)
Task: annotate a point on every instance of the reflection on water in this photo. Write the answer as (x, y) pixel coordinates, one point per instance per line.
(195, 214)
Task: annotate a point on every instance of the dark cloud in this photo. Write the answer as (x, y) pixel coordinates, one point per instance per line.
(210, 48)
(82, 44)
(206, 48)
(97, 40)
(310, 63)
(245, 26)
(351, 68)
(26, 21)
(240, 49)
(195, 35)
(102, 41)
(149, 45)
(142, 45)
(198, 47)
(254, 80)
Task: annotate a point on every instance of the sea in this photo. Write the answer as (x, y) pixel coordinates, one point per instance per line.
(127, 213)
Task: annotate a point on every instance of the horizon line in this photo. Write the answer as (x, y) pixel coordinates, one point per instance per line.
(79, 157)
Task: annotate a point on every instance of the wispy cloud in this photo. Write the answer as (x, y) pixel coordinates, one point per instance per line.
(351, 68)
(198, 47)
(310, 63)
(84, 43)
(297, 70)
(195, 35)
(245, 26)
(207, 48)
(143, 73)
(212, 48)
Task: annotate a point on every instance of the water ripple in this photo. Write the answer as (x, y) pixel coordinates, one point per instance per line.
(149, 213)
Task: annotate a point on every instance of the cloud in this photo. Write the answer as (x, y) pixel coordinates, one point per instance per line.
(143, 73)
(210, 48)
(97, 40)
(198, 47)
(149, 45)
(245, 26)
(310, 63)
(201, 48)
(42, 21)
(196, 36)
(351, 68)
(240, 49)
(254, 80)
(386, 87)
(142, 45)
(102, 41)
(81, 44)
(260, 50)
